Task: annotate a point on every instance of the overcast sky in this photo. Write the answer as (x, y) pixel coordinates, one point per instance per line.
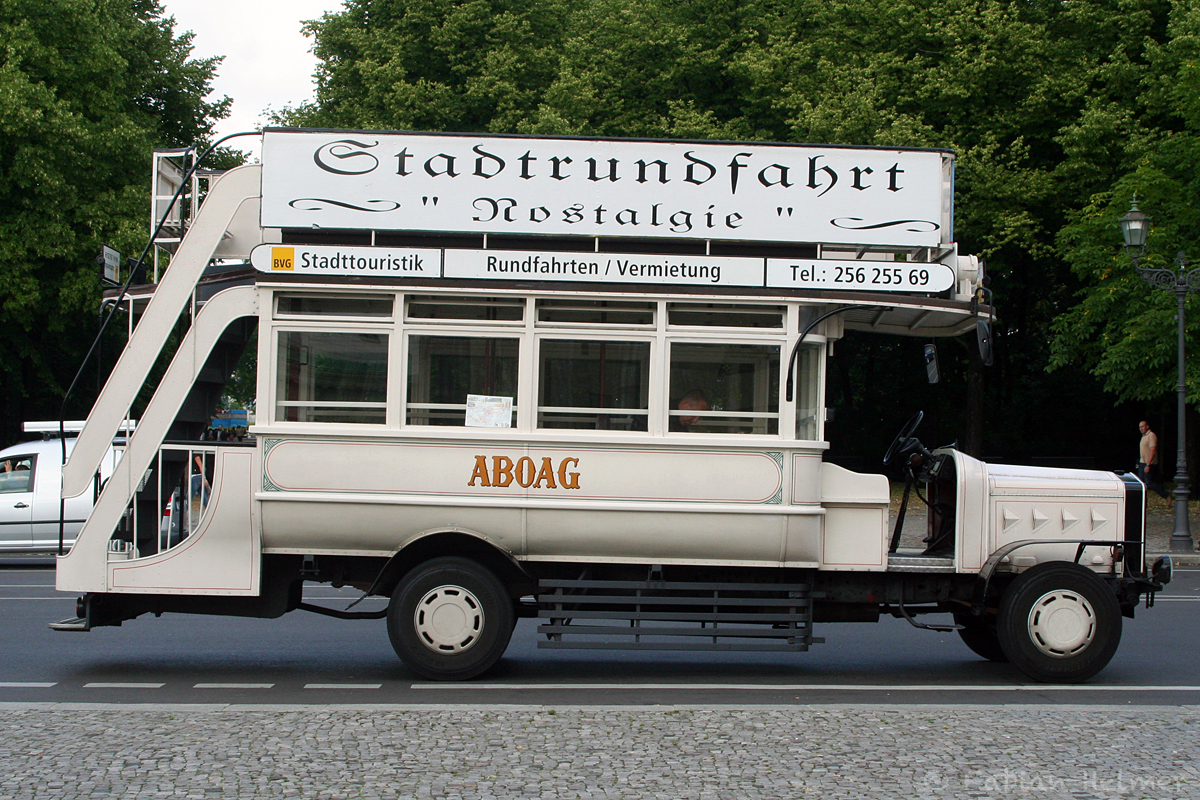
(267, 60)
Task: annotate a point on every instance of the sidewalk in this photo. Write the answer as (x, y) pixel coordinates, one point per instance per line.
(685, 752)
(1160, 524)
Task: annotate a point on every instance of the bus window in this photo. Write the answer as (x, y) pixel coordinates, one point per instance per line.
(332, 377)
(724, 388)
(465, 309)
(808, 392)
(614, 313)
(315, 305)
(443, 370)
(725, 315)
(603, 385)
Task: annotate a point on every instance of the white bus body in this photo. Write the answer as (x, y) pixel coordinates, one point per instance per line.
(464, 402)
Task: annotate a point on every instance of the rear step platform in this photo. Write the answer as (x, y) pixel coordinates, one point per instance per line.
(681, 615)
(918, 562)
(73, 624)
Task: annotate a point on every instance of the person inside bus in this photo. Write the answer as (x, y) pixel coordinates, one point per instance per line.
(692, 400)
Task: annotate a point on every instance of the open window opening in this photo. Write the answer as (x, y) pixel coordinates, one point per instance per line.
(724, 388)
(599, 385)
(808, 392)
(16, 474)
(332, 377)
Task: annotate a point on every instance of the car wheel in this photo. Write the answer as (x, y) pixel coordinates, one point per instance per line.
(450, 619)
(1059, 623)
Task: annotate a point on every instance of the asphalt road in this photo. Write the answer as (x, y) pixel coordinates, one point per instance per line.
(306, 658)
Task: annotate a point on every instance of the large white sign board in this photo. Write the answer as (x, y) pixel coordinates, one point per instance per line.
(600, 187)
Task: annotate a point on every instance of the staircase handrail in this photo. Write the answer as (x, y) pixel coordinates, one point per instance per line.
(167, 303)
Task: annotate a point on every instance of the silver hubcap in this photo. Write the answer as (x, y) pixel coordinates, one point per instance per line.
(448, 619)
(1062, 623)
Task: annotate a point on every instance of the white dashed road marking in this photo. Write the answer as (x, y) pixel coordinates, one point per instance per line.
(25, 685)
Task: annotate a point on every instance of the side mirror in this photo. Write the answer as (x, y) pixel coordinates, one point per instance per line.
(931, 363)
(983, 334)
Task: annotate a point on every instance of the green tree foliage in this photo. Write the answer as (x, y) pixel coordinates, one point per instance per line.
(434, 65)
(1124, 330)
(87, 89)
(1045, 102)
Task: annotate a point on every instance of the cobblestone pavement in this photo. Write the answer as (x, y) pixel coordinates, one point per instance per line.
(668, 752)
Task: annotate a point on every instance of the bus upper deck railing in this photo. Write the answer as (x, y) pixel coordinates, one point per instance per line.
(170, 501)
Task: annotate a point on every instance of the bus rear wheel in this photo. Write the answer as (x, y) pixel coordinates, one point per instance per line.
(1059, 623)
(450, 619)
(979, 634)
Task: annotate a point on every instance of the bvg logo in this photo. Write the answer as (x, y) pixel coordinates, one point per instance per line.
(283, 259)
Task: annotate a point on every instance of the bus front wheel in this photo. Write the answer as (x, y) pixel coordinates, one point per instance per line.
(1059, 623)
(450, 619)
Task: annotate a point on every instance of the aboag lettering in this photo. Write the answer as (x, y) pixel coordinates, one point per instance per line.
(525, 472)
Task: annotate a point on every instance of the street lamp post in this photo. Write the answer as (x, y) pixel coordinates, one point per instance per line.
(1134, 227)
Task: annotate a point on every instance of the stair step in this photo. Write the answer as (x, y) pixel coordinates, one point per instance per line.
(73, 624)
(912, 562)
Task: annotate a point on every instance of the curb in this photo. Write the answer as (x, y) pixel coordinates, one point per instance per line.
(1177, 559)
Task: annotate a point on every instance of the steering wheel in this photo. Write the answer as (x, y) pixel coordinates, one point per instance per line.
(903, 441)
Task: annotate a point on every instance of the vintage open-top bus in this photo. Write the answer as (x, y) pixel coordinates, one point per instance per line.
(580, 380)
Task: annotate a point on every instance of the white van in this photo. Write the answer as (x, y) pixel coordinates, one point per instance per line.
(30, 488)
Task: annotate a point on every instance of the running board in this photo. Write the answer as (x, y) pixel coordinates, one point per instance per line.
(77, 624)
(906, 562)
(682, 615)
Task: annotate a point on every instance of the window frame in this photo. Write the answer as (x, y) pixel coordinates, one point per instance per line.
(617, 334)
(457, 332)
(529, 334)
(386, 330)
(293, 317)
(718, 339)
(407, 321)
(33, 469)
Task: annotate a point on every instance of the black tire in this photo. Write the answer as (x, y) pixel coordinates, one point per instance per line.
(979, 634)
(450, 619)
(1059, 623)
